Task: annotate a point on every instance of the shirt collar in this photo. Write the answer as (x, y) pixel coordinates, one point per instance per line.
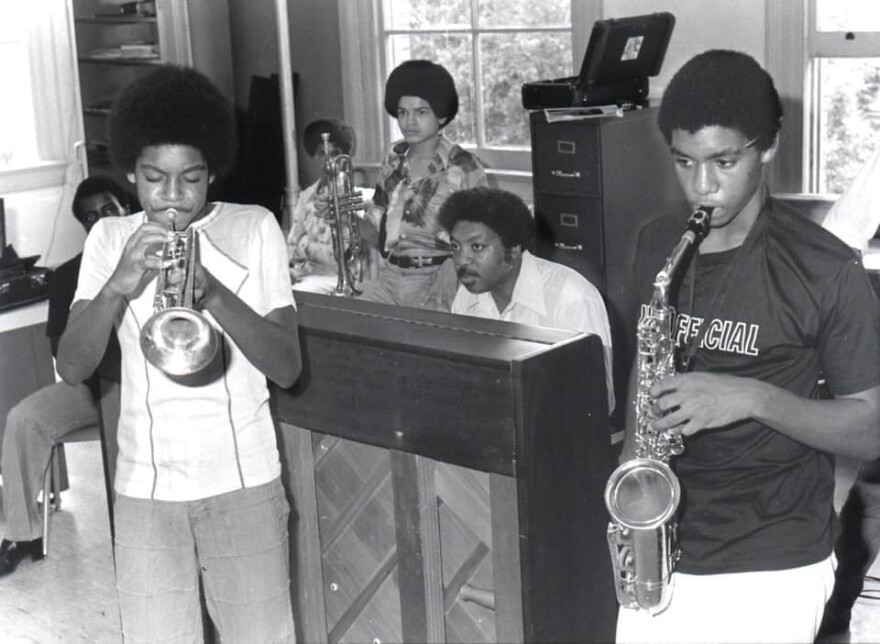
(528, 292)
(439, 163)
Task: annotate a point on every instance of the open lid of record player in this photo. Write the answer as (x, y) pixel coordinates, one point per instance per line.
(11, 264)
(626, 48)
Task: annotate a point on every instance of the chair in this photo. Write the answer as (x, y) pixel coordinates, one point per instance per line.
(52, 476)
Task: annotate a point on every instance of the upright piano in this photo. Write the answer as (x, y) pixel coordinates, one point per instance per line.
(446, 477)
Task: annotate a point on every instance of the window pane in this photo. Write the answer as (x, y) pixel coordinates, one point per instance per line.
(508, 61)
(849, 119)
(18, 134)
(524, 13)
(453, 51)
(847, 15)
(427, 14)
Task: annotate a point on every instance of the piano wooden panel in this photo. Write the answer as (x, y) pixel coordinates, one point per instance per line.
(446, 476)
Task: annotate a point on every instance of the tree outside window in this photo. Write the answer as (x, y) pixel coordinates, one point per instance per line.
(845, 76)
(495, 45)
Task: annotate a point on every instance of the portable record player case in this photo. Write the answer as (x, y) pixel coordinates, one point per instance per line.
(621, 55)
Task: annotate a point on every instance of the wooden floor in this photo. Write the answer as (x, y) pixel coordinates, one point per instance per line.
(69, 598)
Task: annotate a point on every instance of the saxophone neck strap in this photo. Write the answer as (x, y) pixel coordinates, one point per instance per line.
(717, 302)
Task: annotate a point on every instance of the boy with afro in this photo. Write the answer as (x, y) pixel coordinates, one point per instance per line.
(199, 500)
(417, 175)
(769, 305)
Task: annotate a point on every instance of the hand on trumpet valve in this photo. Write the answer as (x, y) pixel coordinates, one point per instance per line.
(139, 262)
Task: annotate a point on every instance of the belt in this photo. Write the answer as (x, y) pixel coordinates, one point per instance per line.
(407, 261)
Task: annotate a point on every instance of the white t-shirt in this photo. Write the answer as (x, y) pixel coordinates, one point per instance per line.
(550, 295)
(183, 442)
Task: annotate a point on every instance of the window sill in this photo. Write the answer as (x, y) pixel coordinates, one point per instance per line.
(42, 174)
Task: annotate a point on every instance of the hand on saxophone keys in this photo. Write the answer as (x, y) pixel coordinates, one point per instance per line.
(693, 402)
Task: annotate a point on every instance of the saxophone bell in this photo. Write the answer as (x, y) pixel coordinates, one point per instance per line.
(177, 339)
(642, 496)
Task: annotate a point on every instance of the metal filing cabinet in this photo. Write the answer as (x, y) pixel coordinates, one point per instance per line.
(596, 181)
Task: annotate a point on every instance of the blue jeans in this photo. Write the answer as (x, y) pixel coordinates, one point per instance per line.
(236, 542)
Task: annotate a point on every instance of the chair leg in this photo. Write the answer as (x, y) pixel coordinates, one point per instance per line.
(58, 457)
(47, 486)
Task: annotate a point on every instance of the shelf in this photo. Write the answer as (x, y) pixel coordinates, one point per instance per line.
(96, 111)
(120, 61)
(115, 20)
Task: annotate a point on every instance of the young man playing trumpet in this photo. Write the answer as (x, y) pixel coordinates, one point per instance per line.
(199, 499)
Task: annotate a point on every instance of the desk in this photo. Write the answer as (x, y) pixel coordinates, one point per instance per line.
(26, 363)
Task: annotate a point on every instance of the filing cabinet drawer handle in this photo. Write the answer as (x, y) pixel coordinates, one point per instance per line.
(562, 246)
(566, 175)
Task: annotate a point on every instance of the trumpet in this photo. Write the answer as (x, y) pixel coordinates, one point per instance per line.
(177, 339)
(345, 203)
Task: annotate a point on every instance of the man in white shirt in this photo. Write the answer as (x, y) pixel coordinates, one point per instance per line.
(490, 233)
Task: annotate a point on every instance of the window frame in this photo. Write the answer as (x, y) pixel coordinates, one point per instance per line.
(363, 61)
(793, 43)
(54, 86)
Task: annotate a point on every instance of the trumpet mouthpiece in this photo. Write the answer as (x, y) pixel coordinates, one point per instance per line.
(171, 216)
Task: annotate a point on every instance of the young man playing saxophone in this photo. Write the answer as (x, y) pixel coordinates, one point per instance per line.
(769, 305)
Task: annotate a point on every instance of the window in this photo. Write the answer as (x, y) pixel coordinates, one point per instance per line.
(491, 47)
(18, 132)
(39, 119)
(842, 91)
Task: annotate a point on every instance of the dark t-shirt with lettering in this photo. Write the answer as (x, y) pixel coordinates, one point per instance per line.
(795, 307)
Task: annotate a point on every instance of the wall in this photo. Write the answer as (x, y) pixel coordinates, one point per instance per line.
(39, 222)
(315, 58)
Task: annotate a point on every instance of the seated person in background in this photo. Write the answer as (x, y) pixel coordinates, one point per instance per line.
(854, 218)
(313, 264)
(491, 232)
(418, 174)
(42, 419)
(199, 504)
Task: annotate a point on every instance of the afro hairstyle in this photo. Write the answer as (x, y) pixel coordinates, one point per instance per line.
(91, 186)
(426, 80)
(340, 134)
(173, 105)
(502, 211)
(724, 88)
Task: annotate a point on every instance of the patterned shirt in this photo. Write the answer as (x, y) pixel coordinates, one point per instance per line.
(406, 210)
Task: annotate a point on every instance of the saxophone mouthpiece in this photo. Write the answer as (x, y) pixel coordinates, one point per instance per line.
(700, 221)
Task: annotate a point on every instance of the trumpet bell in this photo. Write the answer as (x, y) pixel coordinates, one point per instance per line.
(179, 341)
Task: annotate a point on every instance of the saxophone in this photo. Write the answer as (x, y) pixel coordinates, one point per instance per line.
(642, 494)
